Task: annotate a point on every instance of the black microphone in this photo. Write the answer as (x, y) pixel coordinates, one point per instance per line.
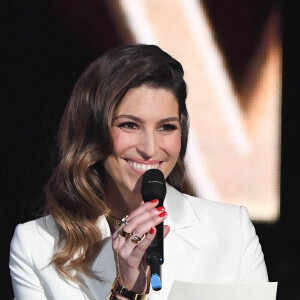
(154, 187)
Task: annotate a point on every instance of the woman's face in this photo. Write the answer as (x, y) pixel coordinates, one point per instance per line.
(146, 134)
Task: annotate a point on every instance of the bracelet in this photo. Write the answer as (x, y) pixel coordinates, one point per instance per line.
(112, 296)
(118, 289)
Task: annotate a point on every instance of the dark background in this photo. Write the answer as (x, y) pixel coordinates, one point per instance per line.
(45, 46)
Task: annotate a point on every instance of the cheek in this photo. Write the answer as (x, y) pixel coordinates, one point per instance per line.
(121, 142)
(173, 146)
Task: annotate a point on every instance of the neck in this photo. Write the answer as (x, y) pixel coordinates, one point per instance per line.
(120, 202)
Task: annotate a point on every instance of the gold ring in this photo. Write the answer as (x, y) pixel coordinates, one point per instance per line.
(125, 234)
(136, 239)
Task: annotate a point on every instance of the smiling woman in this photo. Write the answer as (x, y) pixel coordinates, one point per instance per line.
(127, 114)
(142, 140)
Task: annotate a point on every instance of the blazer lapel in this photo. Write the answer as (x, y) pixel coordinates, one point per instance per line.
(188, 221)
(187, 217)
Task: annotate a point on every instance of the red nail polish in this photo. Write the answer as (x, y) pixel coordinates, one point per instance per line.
(152, 230)
(154, 201)
(161, 208)
(162, 214)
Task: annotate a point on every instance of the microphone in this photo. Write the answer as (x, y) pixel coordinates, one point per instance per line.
(154, 187)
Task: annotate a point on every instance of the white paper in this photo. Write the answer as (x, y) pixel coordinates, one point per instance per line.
(247, 291)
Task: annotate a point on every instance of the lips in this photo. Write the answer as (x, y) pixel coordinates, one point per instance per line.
(142, 167)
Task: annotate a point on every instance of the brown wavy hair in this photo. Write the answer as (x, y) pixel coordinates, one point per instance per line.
(75, 192)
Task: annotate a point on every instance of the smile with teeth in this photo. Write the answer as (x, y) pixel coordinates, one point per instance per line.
(142, 167)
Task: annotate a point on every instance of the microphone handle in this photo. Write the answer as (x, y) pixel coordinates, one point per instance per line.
(155, 257)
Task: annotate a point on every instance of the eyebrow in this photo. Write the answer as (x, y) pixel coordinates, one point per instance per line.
(139, 120)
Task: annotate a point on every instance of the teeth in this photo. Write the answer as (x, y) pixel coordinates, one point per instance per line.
(142, 167)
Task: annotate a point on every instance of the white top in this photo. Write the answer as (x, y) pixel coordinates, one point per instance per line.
(209, 242)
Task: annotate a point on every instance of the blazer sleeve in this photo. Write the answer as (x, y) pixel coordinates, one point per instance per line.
(26, 284)
(253, 268)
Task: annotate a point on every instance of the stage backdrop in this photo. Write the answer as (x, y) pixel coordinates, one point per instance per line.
(232, 55)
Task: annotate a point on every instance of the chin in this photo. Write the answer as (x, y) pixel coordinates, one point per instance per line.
(138, 186)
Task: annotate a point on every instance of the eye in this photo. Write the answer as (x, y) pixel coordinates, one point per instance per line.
(167, 127)
(128, 126)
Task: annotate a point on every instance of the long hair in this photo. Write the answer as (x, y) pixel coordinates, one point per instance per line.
(75, 192)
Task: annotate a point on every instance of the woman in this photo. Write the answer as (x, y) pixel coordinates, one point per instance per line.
(127, 114)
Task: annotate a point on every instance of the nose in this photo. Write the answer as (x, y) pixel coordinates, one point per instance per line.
(147, 144)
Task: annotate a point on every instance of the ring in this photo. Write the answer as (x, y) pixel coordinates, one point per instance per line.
(125, 234)
(136, 239)
(124, 220)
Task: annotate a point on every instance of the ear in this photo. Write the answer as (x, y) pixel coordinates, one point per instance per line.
(181, 118)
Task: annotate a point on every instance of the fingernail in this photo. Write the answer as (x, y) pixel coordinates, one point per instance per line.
(152, 230)
(154, 201)
(161, 208)
(162, 214)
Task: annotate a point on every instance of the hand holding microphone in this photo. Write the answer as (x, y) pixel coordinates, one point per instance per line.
(130, 253)
(154, 187)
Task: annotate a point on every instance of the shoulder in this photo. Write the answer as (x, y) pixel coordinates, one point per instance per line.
(42, 228)
(36, 237)
(231, 230)
(219, 214)
(201, 205)
(214, 207)
(231, 223)
(222, 215)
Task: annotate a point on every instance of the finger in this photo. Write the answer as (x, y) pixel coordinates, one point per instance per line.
(140, 230)
(139, 224)
(143, 222)
(117, 232)
(166, 230)
(140, 249)
(139, 211)
(143, 208)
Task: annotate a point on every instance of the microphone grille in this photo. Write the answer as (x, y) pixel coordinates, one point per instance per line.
(154, 186)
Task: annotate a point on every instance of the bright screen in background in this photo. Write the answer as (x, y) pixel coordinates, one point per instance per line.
(234, 100)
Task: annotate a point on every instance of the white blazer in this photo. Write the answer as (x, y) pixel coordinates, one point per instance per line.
(209, 242)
